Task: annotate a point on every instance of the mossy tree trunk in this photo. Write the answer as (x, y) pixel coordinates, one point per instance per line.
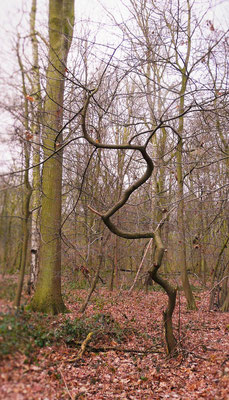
(26, 189)
(5, 233)
(25, 232)
(47, 297)
(181, 237)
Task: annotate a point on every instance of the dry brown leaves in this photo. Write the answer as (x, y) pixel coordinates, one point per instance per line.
(201, 370)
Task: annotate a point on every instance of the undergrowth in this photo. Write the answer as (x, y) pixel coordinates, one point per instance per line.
(20, 332)
(27, 332)
(103, 326)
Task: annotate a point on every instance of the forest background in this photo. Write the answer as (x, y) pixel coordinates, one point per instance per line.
(118, 174)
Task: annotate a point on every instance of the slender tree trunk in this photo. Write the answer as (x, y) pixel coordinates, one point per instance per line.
(27, 189)
(95, 280)
(5, 234)
(225, 306)
(181, 256)
(116, 266)
(140, 267)
(35, 131)
(180, 211)
(203, 271)
(25, 231)
(111, 286)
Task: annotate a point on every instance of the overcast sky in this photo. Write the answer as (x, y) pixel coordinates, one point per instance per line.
(11, 17)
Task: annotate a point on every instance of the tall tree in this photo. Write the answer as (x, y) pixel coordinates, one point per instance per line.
(47, 297)
(27, 188)
(184, 75)
(35, 132)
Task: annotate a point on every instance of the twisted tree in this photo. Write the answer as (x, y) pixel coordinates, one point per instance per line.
(155, 235)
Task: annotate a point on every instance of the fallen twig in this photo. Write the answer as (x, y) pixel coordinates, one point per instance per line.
(84, 345)
(106, 349)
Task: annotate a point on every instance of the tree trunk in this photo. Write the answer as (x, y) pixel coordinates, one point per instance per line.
(217, 277)
(180, 211)
(111, 286)
(26, 215)
(27, 189)
(181, 256)
(95, 280)
(171, 292)
(47, 297)
(35, 131)
(225, 306)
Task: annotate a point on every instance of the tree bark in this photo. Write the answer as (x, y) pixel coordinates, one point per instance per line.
(27, 190)
(47, 297)
(171, 292)
(35, 131)
(25, 231)
(95, 280)
(180, 211)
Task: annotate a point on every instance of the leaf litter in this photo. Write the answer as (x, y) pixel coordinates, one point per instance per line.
(200, 371)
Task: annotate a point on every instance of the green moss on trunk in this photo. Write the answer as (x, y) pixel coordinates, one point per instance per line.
(48, 297)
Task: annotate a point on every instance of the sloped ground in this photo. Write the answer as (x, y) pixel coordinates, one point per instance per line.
(200, 371)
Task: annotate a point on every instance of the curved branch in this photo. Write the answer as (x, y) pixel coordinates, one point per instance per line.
(122, 201)
(134, 186)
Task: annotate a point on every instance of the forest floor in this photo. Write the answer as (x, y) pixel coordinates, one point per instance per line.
(125, 358)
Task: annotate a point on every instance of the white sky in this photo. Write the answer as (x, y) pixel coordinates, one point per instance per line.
(11, 16)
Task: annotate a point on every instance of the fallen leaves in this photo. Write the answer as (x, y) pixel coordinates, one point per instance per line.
(201, 370)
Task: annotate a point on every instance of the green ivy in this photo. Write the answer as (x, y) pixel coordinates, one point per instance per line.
(18, 333)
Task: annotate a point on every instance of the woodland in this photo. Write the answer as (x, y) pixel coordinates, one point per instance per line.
(114, 212)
